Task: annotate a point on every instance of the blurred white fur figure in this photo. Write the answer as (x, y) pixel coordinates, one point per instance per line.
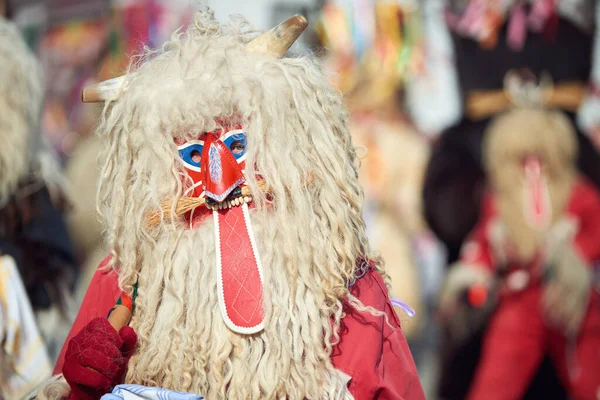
(21, 96)
(32, 189)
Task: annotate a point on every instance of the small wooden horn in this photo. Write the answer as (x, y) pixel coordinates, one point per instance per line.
(102, 91)
(278, 40)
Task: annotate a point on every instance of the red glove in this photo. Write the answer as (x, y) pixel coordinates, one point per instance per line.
(96, 359)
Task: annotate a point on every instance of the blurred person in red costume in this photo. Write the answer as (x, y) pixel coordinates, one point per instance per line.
(530, 259)
(240, 267)
(470, 47)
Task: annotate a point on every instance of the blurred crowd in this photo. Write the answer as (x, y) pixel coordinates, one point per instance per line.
(478, 126)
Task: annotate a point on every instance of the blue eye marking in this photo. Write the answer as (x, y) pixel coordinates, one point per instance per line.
(236, 142)
(186, 151)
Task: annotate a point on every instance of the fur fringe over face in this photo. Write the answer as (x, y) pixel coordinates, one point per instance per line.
(21, 95)
(309, 238)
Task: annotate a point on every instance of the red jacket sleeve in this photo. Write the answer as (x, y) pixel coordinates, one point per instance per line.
(584, 204)
(100, 298)
(477, 249)
(374, 354)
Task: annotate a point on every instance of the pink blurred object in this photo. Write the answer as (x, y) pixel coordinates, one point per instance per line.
(517, 29)
(475, 24)
(541, 11)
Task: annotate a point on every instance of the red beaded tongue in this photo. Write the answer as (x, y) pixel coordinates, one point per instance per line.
(537, 205)
(239, 271)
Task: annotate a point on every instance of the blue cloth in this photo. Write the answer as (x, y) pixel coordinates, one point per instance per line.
(149, 393)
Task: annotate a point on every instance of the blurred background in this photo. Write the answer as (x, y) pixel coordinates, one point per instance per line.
(407, 69)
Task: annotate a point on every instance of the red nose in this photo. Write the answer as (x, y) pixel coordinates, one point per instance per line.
(222, 173)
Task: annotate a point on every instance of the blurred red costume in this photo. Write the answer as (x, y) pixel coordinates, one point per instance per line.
(518, 336)
(365, 339)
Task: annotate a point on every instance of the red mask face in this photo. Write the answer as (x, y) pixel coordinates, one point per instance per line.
(214, 162)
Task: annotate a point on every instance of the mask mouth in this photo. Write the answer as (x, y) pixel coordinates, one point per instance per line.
(235, 199)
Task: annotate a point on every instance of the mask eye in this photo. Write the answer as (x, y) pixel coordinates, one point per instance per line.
(236, 142)
(191, 154)
(237, 148)
(196, 156)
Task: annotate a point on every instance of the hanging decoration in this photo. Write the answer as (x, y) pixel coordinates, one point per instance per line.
(80, 49)
(372, 43)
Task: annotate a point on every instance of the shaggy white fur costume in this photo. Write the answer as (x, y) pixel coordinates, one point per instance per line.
(309, 236)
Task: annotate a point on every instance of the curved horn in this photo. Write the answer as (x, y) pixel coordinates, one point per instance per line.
(275, 42)
(102, 91)
(278, 40)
